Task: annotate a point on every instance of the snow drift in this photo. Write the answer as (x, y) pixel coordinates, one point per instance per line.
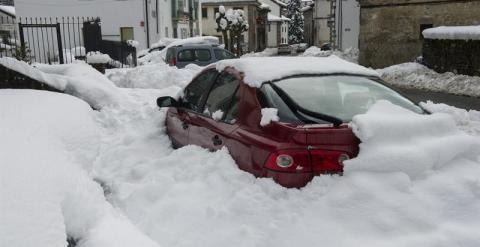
(414, 75)
(49, 142)
(189, 196)
(78, 79)
(157, 76)
(397, 140)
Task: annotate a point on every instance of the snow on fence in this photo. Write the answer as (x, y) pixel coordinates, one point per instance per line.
(60, 40)
(44, 39)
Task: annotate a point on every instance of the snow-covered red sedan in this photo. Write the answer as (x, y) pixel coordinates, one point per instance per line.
(285, 118)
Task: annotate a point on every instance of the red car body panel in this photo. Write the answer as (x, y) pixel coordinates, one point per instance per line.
(251, 145)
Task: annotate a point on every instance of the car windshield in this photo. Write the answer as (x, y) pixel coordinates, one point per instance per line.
(340, 96)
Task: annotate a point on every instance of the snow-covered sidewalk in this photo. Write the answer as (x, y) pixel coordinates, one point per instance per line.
(415, 75)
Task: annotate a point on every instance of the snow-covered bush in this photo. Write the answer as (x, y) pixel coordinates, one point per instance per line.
(231, 23)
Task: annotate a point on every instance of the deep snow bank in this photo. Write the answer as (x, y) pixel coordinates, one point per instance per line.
(349, 54)
(157, 76)
(414, 75)
(468, 121)
(190, 196)
(78, 79)
(397, 140)
(47, 141)
(83, 81)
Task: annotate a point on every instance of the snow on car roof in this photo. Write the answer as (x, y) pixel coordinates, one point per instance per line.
(262, 69)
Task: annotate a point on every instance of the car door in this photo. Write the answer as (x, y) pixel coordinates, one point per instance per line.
(192, 100)
(211, 127)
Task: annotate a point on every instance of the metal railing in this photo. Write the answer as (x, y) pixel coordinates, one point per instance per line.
(59, 40)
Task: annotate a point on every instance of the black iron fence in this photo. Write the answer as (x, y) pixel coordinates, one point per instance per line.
(59, 40)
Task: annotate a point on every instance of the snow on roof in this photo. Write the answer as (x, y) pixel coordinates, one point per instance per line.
(282, 4)
(10, 10)
(262, 69)
(209, 40)
(272, 17)
(264, 6)
(453, 32)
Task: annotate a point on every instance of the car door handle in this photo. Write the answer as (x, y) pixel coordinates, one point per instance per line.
(184, 125)
(216, 140)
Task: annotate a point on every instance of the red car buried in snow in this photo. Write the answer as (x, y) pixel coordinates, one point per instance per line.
(306, 134)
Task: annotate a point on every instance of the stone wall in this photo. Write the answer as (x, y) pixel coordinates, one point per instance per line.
(458, 56)
(390, 31)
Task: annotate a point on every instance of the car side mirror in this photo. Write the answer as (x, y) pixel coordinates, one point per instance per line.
(167, 101)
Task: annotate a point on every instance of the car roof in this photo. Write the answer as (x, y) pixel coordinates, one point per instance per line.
(258, 70)
(188, 46)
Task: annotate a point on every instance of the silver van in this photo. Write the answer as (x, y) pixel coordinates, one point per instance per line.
(199, 54)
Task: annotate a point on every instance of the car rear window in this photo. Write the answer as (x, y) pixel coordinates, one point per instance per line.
(191, 55)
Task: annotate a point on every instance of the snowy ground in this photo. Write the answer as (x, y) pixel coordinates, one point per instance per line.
(189, 196)
(415, 186)
(414, 75)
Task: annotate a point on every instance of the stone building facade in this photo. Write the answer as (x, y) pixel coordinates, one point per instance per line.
(390, 30)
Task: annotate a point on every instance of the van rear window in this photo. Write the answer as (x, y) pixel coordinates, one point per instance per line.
(194, 55)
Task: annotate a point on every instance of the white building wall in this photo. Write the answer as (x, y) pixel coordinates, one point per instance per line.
(160, 19)
(284, 33)
(320, 12)
(272, 34)
(114, 14)
(348, 23)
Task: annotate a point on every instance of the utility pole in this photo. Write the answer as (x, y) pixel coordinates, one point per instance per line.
(190, 16)
(331, 23)
(146, 23)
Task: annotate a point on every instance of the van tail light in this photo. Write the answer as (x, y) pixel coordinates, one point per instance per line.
(302, 161)
(172, 61)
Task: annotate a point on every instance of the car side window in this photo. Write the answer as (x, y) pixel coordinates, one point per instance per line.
(232, 112)
(196, 92)
(186, 56)
(221, 95)
(203, 55)
(267, 97)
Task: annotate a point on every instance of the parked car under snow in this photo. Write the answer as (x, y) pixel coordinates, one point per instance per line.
(285, 118)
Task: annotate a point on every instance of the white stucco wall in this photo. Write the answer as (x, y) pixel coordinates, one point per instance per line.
(350, 25)
(272, 34)
(114, 14)
(347, 22)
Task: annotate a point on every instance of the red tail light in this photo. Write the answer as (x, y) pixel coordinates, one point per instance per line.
(302, 161)
(173, 61)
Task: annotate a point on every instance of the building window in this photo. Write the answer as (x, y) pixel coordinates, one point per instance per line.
(204, 13)
(423, 27)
